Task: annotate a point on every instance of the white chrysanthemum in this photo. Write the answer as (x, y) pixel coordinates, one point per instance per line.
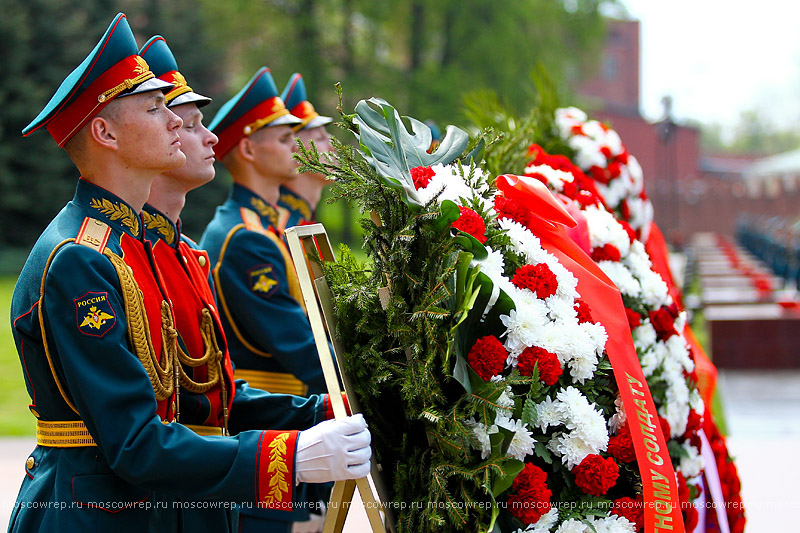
(598, 335)
(654, 291)
(586, 423)
(691, 462)
(679, 352)
(449, 181)
(614, 192)
(641, 215)
(482, 433)
(549, 413)
(555, 178)
(621, 276)
(522, 443)
(582, 367)
(492, 266)
(611, 524)
(546, 521)
(587, 152)
(571, 449)
(648, 359)
(605, 229)
(645, 334)
(573, 526)
(523, 326)
(562, 309)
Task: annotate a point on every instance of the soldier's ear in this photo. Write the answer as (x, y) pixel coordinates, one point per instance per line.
(103, 132)
(246, 149)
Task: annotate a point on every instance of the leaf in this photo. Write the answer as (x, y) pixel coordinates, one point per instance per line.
(393, 151)
(512, 467)
(543, 453)
(449, 212)
(529, 413)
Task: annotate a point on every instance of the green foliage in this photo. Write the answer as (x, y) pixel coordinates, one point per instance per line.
(14, 399)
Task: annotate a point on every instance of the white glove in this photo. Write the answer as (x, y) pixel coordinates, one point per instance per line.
(333, 450)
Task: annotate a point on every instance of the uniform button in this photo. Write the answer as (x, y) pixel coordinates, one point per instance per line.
(201, 260)
(30, 463)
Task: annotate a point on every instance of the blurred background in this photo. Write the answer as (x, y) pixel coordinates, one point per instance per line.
(704, 94)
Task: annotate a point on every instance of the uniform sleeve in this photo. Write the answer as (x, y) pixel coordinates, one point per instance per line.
(258, 409)
(254, 290)
(114, 397)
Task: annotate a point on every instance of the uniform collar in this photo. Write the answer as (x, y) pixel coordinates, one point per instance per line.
(294, 202)
(244, 197)
(159, 227)
(109, 208)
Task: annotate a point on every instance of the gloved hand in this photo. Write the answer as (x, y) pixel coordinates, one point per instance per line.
(333, 450)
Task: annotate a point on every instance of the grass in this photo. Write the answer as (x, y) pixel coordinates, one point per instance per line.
(16, 419)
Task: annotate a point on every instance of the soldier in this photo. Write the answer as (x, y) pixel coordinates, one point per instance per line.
(205, 384)
(96, 338)
(301, 196)
(269, 335)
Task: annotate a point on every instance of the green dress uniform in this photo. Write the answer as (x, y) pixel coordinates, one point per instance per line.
(258, 293)
(95, 333)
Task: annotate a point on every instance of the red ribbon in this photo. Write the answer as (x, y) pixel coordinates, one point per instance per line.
(662, 506)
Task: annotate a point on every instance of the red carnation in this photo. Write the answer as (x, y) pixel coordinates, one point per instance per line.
(531, 497)
(620, 446)
(665, 427)
(584, 312)
(600, 174)
(570, 189)
(487, 357)
(595, 475)
(690, 518)
(549, 367)
(607, 252)
(683, 490)
(577, 129)
(634, 318)
(625, 210)
(422, 176)
(630, 508)
(606, 151)
(511, 209)
(614, 170)
(536, 278)
(472, 223)
(628, 229)
(694, 423)
(663, 322)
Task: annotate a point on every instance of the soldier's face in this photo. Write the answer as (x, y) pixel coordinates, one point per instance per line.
(322, 140)
(147, 133)
(273, 147)
(197, 144)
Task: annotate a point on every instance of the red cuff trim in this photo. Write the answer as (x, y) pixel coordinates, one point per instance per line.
(329, 406)
(275, 470)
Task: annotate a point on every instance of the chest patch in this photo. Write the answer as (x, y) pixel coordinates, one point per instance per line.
(264, 280)
(94, 315)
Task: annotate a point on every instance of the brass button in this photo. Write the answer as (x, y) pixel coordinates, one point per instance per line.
(201, 260)
(30, 463)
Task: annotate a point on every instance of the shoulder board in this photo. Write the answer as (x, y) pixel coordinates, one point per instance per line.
(94, 234)
(252, 222)
(283, 219)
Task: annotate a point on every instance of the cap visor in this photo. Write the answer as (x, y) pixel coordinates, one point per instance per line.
(287, 119)
(190, 98)
(317, 122)
(153, 84)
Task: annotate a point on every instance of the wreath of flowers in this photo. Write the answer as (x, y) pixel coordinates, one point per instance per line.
(549, 334)
(656, 324)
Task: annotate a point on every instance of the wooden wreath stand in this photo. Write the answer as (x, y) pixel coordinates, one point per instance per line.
(308, 245)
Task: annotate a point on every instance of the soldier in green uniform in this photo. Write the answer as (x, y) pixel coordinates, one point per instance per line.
(269, 335)
(95, 332)
(301, 196)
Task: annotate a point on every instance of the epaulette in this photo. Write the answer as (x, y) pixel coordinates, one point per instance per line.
(94, 234)
(283, 219)
(252, 221)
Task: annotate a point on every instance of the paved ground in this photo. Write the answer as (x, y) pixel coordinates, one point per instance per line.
(763, 418)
